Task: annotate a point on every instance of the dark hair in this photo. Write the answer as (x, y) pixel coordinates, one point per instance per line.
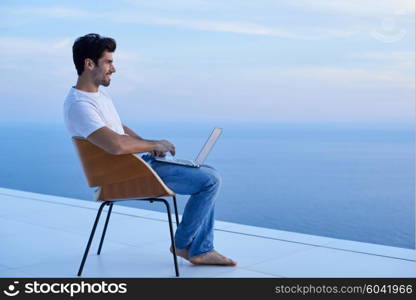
(90, 46)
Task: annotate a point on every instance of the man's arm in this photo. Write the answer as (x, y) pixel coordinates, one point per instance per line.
(114, 143)
(130, 132)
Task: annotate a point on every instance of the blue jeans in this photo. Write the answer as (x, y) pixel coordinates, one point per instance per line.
(196, 229)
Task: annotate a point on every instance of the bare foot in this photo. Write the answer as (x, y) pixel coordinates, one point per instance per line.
(212, 258)
(182, 253)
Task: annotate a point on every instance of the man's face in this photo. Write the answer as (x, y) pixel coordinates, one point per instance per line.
(102, 72)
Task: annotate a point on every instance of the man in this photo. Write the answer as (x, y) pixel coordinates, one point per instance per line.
(89, 113)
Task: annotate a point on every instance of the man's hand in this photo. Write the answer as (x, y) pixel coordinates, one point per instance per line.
(162, 147)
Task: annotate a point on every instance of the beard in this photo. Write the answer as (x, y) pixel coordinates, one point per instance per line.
(102, 79)
(105, 82)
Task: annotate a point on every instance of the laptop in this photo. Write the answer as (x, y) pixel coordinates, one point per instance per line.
(206, 149)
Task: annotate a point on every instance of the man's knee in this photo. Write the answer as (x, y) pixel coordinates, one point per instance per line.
(213, 177)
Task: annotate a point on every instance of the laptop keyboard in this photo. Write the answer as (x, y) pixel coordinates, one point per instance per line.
(177, 159)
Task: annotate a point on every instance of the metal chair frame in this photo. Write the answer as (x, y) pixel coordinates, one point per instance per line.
(110, 204)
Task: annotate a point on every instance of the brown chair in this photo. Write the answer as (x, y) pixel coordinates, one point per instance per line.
(121, 177)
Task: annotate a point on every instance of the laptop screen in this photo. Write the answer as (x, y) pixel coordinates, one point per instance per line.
(208, 145)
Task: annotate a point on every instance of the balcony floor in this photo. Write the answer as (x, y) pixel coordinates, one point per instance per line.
(45, 236)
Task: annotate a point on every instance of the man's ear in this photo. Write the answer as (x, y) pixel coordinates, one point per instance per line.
(89, 64)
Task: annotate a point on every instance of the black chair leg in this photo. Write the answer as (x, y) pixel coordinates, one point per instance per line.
(176, 211)
(105, 227)
(172, 239)
(91, 237)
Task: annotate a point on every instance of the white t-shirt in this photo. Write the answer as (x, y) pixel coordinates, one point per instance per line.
(86, 112)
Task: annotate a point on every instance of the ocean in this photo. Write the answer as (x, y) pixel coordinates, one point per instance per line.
(346, 181)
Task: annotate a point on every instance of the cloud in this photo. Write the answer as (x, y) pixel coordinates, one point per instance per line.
(350, 76)
(335, 76)
(256, 29)
(52, 12)
(13, 46)
(351, 7)
(404, 60)
(358, 7)
(182, 72)
(52, 56)
(41, 48)
(392, 56)
(178, 4)
(236, 27)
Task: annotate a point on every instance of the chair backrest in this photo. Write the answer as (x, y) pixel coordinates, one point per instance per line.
(117, 172)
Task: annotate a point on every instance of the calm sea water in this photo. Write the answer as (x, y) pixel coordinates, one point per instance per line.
(336, 180)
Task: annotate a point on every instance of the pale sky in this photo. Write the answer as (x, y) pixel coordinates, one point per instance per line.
(276, 61)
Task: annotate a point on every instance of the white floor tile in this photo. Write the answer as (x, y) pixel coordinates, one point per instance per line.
(409, 254)
(138, 231)
(44, 197)
(322, 262)
(248, 250)
(13, 273)
(280, 234)
(29, 244)
(19, 207)
(121, 262)
(243, 273)
(2, 267)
